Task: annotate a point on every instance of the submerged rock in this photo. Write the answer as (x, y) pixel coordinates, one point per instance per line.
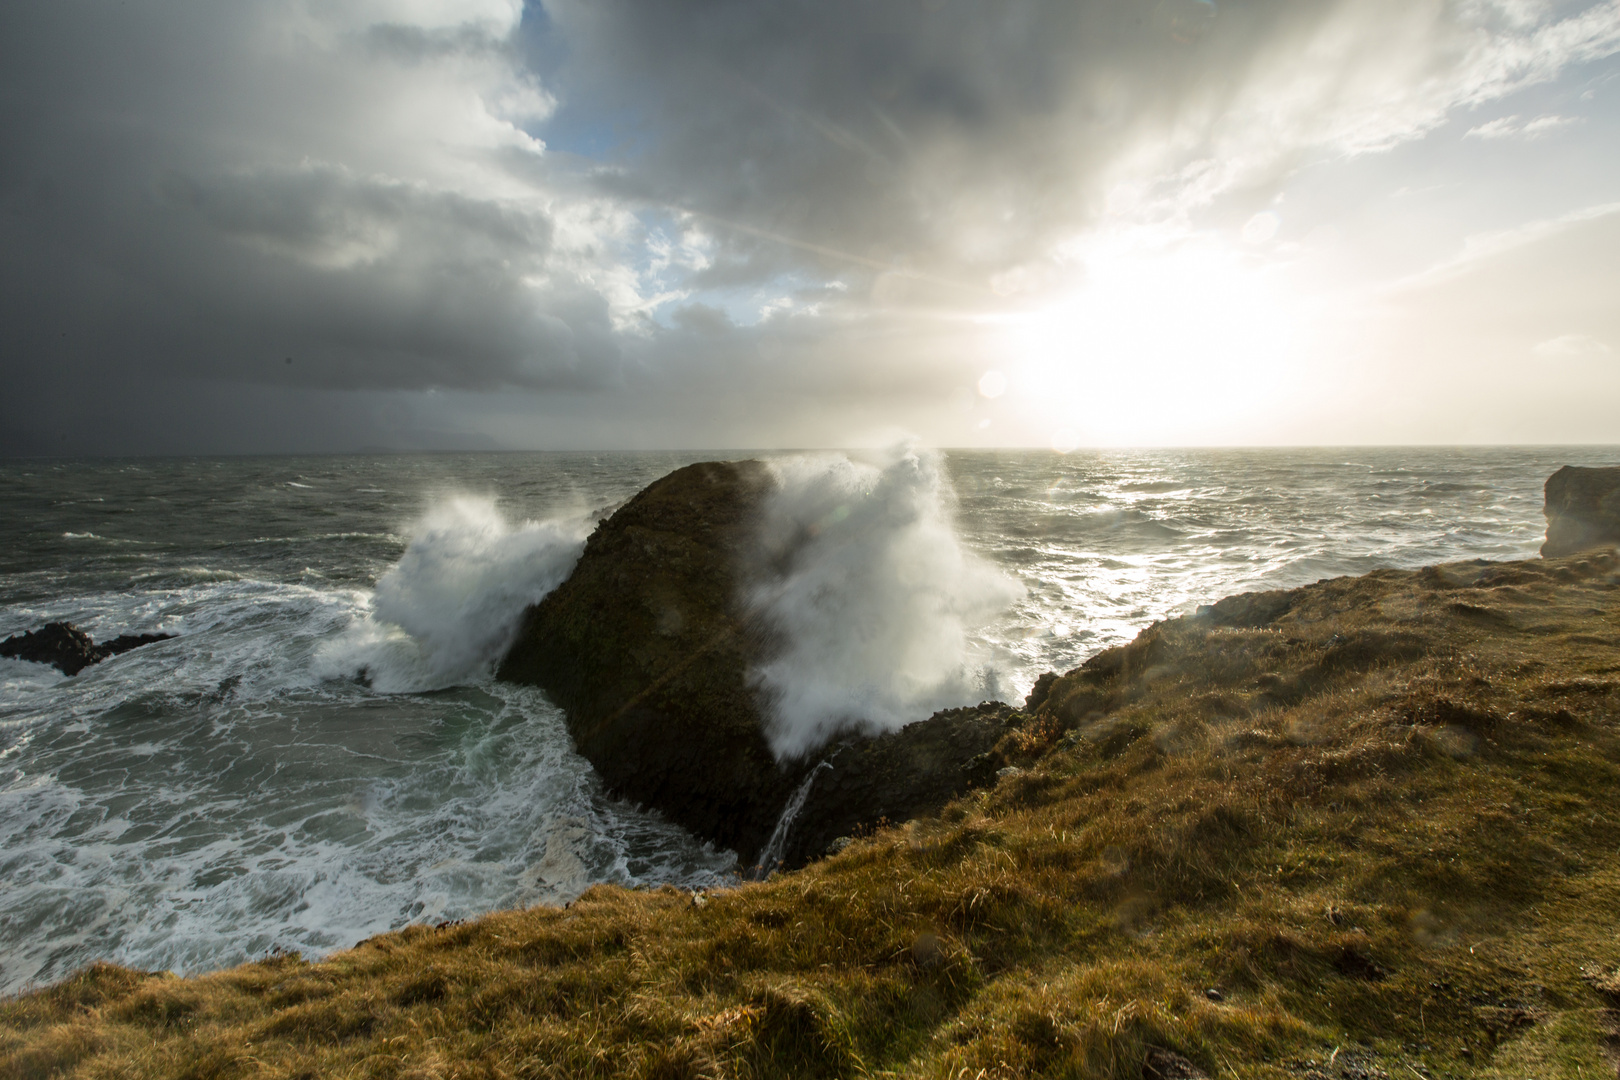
(1583, 510)
(69, 649)
(647, 649)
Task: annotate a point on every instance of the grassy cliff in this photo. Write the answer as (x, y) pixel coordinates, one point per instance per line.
(1365, 829)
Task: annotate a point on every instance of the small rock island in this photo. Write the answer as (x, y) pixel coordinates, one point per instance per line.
(69, 649)
(648, 647)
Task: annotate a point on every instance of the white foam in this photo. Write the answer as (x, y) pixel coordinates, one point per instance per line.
(200, 871)
(877, 601)
(448, 609)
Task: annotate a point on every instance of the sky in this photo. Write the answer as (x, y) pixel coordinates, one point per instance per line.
(278, 226)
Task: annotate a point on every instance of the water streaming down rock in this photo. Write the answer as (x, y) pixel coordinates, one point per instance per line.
(771, 857)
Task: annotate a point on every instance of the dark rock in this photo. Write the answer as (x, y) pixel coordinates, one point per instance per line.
(1162, 1064)
(1250, 610)
(898, 776)
(1040, 691)
(1583, 510)
(647, 649)
(125, 642)
(69, 649)
(62, 645)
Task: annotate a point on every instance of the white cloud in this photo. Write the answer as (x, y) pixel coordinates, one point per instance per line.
(1261, 227)
(1505, 127)
(1500, 128)
(1572, 346)
(1483, 247)
(1543, 124)
(1363, 79)
(498, 17)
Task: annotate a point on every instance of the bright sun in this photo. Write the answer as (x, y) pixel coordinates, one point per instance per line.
(1152, 346)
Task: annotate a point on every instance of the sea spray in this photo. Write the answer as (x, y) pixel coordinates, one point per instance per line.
(872, 594)
(448, 609)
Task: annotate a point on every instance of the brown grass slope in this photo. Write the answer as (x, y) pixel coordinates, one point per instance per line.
(1366, 829)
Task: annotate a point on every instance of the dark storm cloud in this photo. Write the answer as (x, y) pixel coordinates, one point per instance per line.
(955, 135)
(940, 133)
(162, 213)
(368, 282)
(743, 202)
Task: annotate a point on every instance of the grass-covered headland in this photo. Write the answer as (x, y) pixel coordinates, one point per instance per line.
(1365, 829)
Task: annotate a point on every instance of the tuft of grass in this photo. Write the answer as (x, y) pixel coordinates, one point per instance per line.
(1363, 829)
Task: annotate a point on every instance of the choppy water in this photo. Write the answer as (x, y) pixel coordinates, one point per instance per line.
(200, 801)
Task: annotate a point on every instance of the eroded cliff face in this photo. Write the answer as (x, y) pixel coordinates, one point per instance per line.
(1583, 510)
(647, 649)
(866, 783)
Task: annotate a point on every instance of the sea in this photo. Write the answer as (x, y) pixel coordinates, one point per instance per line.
(322, 753)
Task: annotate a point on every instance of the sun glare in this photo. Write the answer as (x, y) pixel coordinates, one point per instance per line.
(1152, 346)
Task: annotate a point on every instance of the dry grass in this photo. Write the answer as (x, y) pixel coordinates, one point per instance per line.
(1373, 838)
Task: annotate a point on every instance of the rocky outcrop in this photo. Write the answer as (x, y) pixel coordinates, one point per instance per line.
(647, 650)
(69, 649)
(1583, 510)
(887, 779)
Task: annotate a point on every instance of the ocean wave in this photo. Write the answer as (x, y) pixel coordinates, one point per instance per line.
(316, 538)
(191, 863)
(105, 539)
(448, 609)
(876, 601)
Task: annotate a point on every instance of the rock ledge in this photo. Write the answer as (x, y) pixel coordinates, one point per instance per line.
(1583, 510)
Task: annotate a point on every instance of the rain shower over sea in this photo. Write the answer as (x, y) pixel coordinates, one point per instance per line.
(322, 753)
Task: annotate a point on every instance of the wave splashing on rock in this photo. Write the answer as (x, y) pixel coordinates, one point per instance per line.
(449, 608)
(873, 595)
